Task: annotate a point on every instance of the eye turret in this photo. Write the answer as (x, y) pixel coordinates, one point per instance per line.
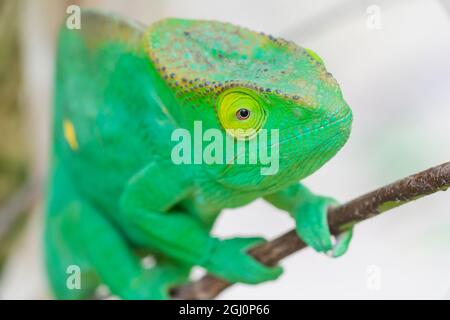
(241, 112)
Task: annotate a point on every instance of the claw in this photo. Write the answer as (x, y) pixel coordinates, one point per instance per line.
(342, 243)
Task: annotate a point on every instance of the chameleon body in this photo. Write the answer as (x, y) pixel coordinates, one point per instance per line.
(115, 194)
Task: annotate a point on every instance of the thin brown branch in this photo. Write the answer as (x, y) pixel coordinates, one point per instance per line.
(350, 213)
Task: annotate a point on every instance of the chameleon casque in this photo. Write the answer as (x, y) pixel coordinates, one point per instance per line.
(114, 193)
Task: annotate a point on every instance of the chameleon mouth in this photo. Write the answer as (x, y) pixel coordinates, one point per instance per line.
(339, 131)
(342, 125)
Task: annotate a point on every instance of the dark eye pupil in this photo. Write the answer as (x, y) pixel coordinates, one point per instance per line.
(243, 114)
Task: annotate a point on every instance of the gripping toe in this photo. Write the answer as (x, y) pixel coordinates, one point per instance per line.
(312, 227)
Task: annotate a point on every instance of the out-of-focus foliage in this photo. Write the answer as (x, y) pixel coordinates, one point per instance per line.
(12, 150)
(13, 155)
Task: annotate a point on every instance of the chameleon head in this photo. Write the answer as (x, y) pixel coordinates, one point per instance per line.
(232, 78)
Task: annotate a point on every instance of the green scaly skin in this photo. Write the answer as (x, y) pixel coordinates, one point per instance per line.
(114, 193)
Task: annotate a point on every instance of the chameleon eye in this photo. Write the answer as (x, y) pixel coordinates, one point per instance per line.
(241, 113)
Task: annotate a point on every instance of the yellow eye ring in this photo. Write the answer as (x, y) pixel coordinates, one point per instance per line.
(241, 113)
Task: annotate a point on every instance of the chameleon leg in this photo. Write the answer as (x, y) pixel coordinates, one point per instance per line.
(108, 257)
(310, 214)
(60, 256)
(77, 235)
(62, 245)
(174, 233)
(179, 236)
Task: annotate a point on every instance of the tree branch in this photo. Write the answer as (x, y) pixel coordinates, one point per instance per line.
(339, 218)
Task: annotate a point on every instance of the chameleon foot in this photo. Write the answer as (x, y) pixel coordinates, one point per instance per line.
(155, 283)
(312, 227)
(229, 259)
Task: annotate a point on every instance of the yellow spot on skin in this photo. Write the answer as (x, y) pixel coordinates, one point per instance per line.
(70, 135)
(314, 55)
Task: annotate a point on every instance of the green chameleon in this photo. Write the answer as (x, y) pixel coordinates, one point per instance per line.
(115, 195)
